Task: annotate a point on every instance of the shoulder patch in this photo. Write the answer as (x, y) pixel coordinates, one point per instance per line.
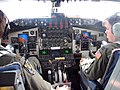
(29, 67)
(102, 48)
(98, 55)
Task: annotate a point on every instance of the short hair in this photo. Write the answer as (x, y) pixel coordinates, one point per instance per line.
(115, 18)
(114, 21)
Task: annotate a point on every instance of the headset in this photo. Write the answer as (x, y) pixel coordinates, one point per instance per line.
(7, 30)
(114, 20)
(116, 29)
(7, 27)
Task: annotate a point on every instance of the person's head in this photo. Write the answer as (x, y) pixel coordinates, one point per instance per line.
(3, 19)
(112, 25)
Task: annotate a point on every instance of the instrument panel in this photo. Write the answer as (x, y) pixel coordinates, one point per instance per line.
(56, 33)
(56, 41)
(55, 38)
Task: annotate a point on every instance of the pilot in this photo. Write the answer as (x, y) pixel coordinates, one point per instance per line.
(33, 80)
(97, 69)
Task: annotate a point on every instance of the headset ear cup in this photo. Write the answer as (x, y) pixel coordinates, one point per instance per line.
(116, 29)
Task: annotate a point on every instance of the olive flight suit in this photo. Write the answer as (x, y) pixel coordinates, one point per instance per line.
(35, 63)
(33, 80)
(98, 67)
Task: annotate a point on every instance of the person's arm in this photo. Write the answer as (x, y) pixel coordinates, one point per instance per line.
(98, 67)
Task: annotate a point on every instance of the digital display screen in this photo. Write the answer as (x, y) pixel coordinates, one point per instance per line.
(85, 45)
(23, 42)
(85, 35)
(23, 37)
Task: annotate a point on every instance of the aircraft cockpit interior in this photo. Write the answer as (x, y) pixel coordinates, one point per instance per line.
(58, 42)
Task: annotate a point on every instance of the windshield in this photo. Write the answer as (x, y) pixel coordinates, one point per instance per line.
(15, 9)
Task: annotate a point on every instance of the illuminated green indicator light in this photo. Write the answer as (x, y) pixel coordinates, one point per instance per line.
(44, 52)
(66, 51)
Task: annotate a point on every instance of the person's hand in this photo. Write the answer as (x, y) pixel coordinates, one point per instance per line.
(85, 61)
(82, 61)
(65, 87)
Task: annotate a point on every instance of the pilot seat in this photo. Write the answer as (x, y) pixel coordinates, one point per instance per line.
(111, 77)
(11, 77)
